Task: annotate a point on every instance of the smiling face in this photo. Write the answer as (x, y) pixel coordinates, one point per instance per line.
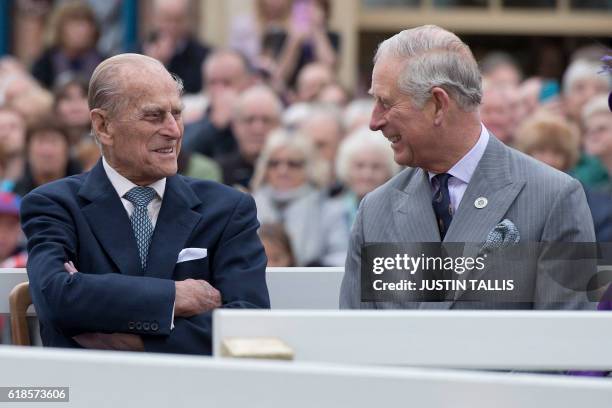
(408, 128)
(142, 142)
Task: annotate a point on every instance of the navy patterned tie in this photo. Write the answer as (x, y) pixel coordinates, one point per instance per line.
(442, 204)
(141, 223)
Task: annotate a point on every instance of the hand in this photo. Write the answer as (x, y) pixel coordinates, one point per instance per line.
(194, 297)
(110, 341)
(69, 266)
(162, 49)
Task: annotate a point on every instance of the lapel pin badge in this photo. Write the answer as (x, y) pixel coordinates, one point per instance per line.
(481, 202)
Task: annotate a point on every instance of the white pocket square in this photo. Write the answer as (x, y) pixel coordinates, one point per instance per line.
(189, 254)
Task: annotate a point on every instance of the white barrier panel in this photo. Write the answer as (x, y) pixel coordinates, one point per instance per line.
(113, 379)
(304, 288)
(289, 288)
(504, 340)
(9, 278)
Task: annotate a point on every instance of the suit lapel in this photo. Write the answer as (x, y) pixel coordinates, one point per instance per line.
(174, 225)
(414, 216)
(492, 181)
(109, 221)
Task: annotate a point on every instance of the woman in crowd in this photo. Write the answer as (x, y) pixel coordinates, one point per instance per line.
(287, 190)
(70, 106)
(47, 156)
(364, 162)
(74, 35)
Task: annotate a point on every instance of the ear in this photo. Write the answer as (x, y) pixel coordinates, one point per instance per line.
(100, 125)
(441, 101)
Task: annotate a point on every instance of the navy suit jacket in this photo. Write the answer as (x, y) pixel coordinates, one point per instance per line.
(81, 219)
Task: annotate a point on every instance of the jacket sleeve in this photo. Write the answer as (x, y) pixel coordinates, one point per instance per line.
(86, 302)
(238, 269)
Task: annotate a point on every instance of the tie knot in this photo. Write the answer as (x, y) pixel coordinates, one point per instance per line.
(442, 179)
(140, 196)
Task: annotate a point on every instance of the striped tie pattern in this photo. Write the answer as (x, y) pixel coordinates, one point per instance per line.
(442, 204)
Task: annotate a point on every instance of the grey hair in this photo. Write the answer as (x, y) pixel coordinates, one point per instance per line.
(363, 139)
(316, 169)
(581, 69)
(258, 91)
(598, 104)
(435, 57)
(106, 87)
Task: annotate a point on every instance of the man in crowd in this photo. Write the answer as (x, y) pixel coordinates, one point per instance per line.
(131, 256)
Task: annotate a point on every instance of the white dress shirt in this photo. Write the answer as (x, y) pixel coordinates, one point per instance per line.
(123, 185)
(463, 170)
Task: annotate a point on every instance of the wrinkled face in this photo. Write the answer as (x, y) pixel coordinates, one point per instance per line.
(78, 35)
(48, 153)
(368, 169)
(72, 108)
(581, 92)
(551, 157)
(286, 169)
(325, 134)
(225, 72)
(598, 134)
(276, 253)
(10, 233)
(145, 138)
(407, 127)
(498, 115)
(257, 117)
(12, 132)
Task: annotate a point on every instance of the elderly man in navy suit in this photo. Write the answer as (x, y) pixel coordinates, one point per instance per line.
(131, 256)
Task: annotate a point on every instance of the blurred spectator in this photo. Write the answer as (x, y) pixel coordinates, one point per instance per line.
(256, 113)
(47, 156)
(12, 140)
(172, 43)
(357, 114)
(33, 104)
(324, 128)
(597, 120)
(287, 189)
(499, 68)
(247, 31)
(582, 80)
(12, 251)
(87, 152)
(499, 110)
(312, 79)
(334, 94)
(71, 108)
(226, 74)
(72, 47)
(308, 40)
(364, 163)
(552, 140)
(277, 245)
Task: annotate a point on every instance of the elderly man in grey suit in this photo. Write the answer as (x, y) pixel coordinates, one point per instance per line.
(461, 184)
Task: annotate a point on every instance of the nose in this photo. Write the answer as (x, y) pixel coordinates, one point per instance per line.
(377, 121)
(173, 126)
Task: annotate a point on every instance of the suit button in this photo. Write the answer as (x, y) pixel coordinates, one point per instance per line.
(154, 326)
(131, 325)
(146, 326)
(138, 326)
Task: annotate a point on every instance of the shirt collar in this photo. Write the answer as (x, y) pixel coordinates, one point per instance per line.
(464, 169)
(123, 185)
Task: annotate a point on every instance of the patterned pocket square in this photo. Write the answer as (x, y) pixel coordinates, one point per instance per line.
(502, 235)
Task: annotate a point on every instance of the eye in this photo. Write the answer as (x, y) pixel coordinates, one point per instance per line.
(153, 116)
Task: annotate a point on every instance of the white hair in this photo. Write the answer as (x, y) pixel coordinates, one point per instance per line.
(279, 138)
(260, 92)
(435, 58)
(295, 114)
(363, 139)
(356, 110)
(599, 104)
(581, 69)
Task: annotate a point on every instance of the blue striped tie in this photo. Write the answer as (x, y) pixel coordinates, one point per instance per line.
(141, 223)
(442, 204)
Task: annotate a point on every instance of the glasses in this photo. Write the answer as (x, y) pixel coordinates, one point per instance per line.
(292, 164)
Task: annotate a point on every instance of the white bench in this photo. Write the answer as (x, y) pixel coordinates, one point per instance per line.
(112, 379)
(504, 340)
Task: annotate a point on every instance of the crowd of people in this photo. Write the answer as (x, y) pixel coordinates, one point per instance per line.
(269, 115)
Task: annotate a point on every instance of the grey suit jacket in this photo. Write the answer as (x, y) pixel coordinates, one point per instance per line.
(546, 205)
